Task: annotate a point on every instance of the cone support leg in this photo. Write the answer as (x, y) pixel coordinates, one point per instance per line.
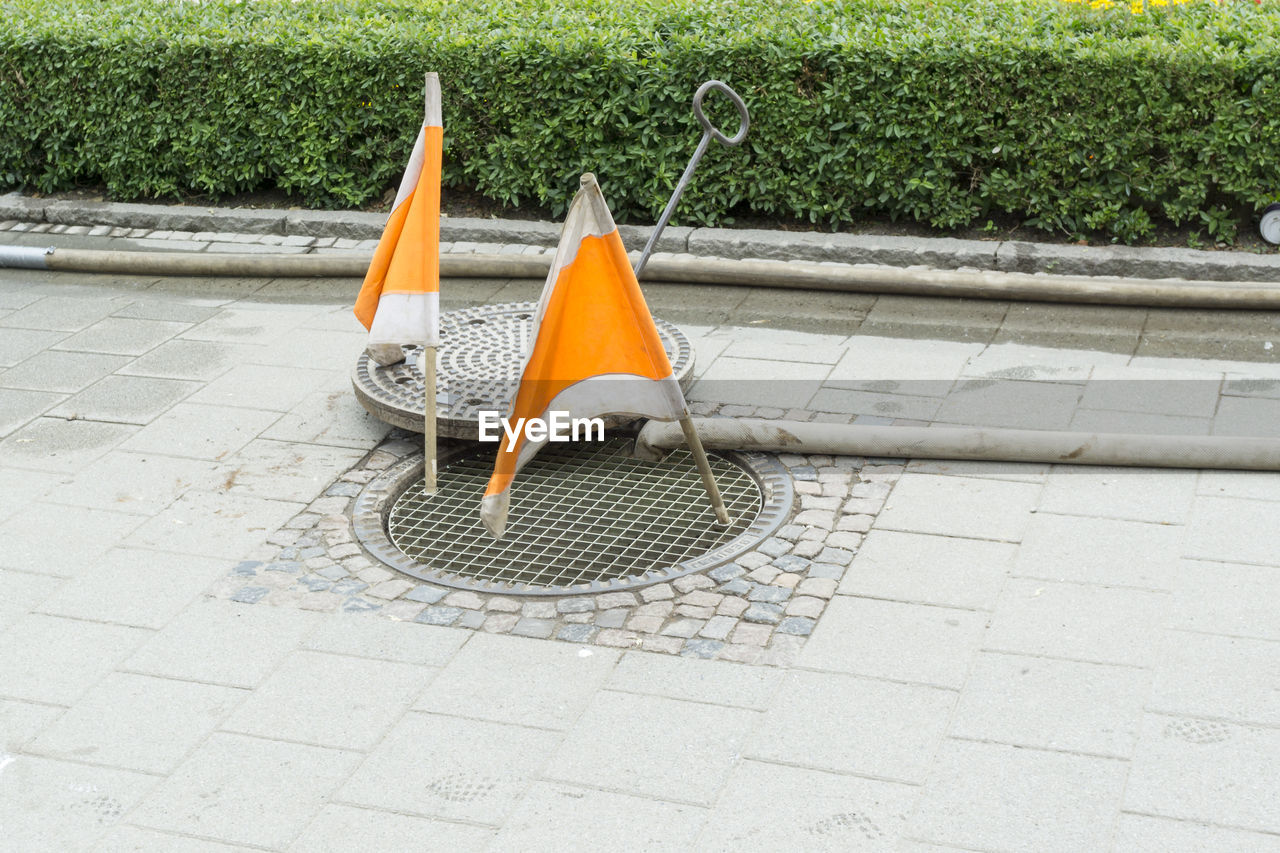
(429, 421)
(704, 468)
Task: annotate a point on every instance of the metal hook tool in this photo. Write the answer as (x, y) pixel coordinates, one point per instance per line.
(709, 132)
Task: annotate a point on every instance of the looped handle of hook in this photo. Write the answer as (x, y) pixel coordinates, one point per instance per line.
(743, 118)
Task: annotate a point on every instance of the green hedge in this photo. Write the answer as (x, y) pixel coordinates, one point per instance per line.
(944, 112)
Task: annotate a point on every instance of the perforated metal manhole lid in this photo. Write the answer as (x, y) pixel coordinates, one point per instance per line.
(584, 518)
(477, 368)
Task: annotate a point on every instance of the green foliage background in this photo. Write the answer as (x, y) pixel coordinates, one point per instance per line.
(943, 112)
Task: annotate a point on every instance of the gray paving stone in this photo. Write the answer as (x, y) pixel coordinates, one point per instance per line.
(140, 483)
(212, 524)
(125, 399)
(351, 707)
(531, 627)
(247, 325)
(538, 821)
(683, 628)
(138, 722)
(55, 661)
(357, 605)
(770, 614)
(1233, 530)
(53, 444)
(835, 556)
(518, 681)
(718, 627)
(1206, 771)
(885, 639)
(467, 770)
(1159, 495)
(261, 386)
(1101, 551)
(718, 683)
(784, 808)
(185, 359)
(611, 618)
(472, 619)
(61, 541)
(884, 730)
(146, 589)
(699, 647)
(1064, 802)
(1225, 598)
(439, 615)
(18, 345)
(774, 548)
(790, 563)
(250, 594)
(61, 805)
(246, 790)
(336, 825)
(1201, 675)
(960, 506)
(799, 626)
(683, 758)
(1145, 834)
(201, 432)
(60, 372)
(1052, 704)
(1256, 485)
(23, 592)
(385, 640)
(61, 313)
(220, 642)
(17, 407)
(426, 594)
(579, 633)
(1091, 623)
(769, 594)
(122, 336)
(926, 569)
(615, 599)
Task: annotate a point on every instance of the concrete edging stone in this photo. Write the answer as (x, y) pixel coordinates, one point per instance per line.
(889, 250)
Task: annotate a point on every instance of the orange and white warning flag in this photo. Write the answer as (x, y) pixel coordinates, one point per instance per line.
(595, 348)
(399, 302)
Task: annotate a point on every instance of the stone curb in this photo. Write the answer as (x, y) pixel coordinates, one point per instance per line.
(937, 252)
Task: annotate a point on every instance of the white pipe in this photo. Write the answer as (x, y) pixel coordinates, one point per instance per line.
(1172, 293)
(657, 438)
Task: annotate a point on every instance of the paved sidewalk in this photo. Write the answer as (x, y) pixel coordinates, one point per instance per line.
(1017, 657)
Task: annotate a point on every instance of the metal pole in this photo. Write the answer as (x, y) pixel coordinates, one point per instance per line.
(432, 115)
(709, 131)
(704, 468)
(429, 420)
(672, 202)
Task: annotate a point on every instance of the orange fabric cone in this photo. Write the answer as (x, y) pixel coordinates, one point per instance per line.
(399, 302)
(596, 350)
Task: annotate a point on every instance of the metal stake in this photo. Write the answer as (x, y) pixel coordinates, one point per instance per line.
(429, 421)
(433, 115)
(708, 132)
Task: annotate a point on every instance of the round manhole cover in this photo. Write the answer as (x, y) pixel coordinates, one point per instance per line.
(584, 518)
(478, 365)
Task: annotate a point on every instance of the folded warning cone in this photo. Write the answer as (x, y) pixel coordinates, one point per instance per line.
(595, 349)
(399, 302)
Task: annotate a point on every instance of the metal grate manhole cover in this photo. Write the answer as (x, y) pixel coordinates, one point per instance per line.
(478, 368)
(584, 518)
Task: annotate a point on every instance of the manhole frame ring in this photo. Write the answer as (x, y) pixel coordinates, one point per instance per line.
(370, 509)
